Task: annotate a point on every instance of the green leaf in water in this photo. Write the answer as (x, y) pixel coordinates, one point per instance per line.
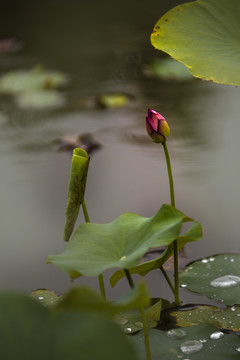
(227, 319)
(194, 342)
(168, 69)
(204, 35)
(76, 189)
(18, 81)
(112, 100)
(217, 277)
(30, 330)
(193, 234)
(40, 99)
(95, 248)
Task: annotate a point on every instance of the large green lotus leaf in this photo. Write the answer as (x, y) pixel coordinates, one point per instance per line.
(121, 243)
(30, 330)
(228, 319)
(193, 234)
(217, 277)
(181, 344)
(84, 298)
(204, 35)
(19, 81)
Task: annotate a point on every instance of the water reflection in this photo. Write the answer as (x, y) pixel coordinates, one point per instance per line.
(106, 54)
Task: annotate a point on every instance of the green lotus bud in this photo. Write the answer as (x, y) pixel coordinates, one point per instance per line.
(157, 126)
(76, 189)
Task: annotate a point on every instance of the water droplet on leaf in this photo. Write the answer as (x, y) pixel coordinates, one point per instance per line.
(128, 330)
(176, 333)
(190, 347)
(216, 335)
(225, 281)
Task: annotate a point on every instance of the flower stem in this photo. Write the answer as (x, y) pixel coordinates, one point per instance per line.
(170, 177)
(175, 245)
(129, 278)
(100, 277)
(145, 331)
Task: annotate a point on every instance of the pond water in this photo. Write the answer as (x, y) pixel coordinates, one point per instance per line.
(103, 46)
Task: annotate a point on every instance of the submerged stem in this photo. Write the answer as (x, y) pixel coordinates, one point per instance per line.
(100, 277)
(175, 245)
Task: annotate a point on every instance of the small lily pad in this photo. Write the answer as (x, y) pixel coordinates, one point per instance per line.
(17, 81)
(112, 100)
(46, 297)
(95, 248)
(217, 277)
(194, 342)
(168, 69)
(40, 99)
(227, 319)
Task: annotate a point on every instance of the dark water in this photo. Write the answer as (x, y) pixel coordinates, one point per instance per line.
(103, 47)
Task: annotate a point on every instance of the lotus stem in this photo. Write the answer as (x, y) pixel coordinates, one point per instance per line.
(175, 245)
(100, 277)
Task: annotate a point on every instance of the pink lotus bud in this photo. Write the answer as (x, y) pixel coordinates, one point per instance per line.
(157, 127)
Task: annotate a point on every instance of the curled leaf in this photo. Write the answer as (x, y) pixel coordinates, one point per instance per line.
(76, 189)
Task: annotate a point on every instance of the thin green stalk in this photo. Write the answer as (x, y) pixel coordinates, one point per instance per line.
(85, 212)
(101, 286)
(129, 278)
(167, 278)
(100, 277)
(175, 245)
(170, 177)
(145, 331)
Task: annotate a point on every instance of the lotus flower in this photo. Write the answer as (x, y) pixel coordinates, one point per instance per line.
(157, 126)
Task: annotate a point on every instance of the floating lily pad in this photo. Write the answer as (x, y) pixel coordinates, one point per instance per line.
(112, 100)
(228, 319)
(17, 81)
(95, 248)
(30, 330)
(204, 35)
(46, 297)
(217, 277)
(193, 234)
(168, 69)
(193, 342)
(40, 99)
